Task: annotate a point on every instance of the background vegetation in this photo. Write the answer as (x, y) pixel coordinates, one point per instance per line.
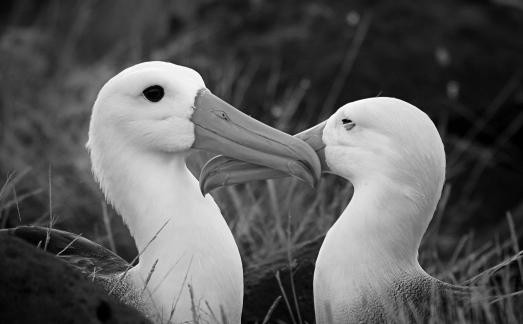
(289, 64)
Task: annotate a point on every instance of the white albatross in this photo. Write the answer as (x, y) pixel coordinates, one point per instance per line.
(144, 123)
(367, 269)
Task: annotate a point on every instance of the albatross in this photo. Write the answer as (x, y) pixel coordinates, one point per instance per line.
(144, 123)
(367, 269)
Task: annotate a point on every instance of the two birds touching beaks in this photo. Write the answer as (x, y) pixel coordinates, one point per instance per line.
(148, 118)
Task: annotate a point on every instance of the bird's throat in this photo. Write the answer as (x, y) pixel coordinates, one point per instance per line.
(159, 200)
(379, 231)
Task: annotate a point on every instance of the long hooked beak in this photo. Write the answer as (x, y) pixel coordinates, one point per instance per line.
(222, 129)
(224, 171)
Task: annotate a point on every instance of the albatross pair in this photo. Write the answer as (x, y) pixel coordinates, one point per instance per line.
(147, 119)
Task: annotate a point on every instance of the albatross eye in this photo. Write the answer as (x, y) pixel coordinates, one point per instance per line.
(348, 124)
(154, 93)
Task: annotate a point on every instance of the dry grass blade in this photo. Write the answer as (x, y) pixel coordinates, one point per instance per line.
(291, 272)
(515, 243)
(493, 269)
(177, 299)
(92, 275)
(69, 245)
(459, 248)
(285, 298)
(17, 205)
(215, 319)
(17, 199)
(149, 275)
(167, 273)
(11, 180)
(108, 229)
(195, 316)
(51, 216)
(271, 310)
(124, 274)
(486, 117)
(506, 296)
(7, 183)
(10, 186)
(347, 64)
(275, 209)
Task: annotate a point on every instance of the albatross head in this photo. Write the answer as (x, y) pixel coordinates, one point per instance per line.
(385, 140)
(147, 107)
(159, 111)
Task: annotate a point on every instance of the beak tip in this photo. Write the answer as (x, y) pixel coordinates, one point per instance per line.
(203, 182)
(210, 180)
(306, 171)
(207, 186)
(203, 189)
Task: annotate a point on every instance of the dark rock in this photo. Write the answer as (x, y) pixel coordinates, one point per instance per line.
(38, 288)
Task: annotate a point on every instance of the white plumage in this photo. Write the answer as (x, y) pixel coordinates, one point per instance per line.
(138, 152)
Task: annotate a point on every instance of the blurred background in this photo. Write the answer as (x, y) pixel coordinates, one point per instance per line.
(289, 64)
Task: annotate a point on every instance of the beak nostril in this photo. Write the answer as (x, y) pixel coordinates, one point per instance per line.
(222, 114)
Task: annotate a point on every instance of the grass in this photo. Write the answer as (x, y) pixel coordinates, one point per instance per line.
(49, 82)
(489, 266)
(494, 267)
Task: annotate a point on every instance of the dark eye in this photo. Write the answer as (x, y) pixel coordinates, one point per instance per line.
(154, 93)
(348, 124)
